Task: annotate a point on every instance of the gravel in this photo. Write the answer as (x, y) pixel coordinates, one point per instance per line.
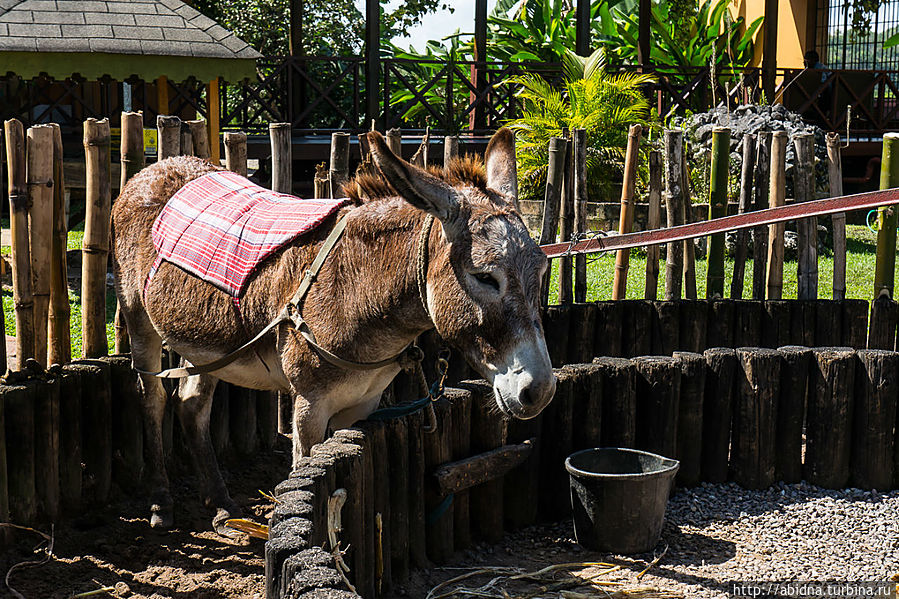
(719, 534)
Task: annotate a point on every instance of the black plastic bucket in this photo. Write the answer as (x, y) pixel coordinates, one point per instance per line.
(619, 497)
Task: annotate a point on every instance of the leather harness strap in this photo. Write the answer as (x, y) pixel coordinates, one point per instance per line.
(291, 313)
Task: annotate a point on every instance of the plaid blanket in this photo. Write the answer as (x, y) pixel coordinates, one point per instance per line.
(221, 226)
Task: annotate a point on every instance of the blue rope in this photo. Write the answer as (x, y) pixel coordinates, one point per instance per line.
(400, 410)
(441, 509)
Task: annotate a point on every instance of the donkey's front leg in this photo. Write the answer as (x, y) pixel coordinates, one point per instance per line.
(194, 407)
(310, 424)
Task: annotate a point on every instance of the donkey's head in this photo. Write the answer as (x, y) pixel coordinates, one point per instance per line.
(483, 282)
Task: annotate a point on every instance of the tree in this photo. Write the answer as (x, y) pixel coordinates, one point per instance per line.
(331, 27)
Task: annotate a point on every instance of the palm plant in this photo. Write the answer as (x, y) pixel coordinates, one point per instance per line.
(603, 103)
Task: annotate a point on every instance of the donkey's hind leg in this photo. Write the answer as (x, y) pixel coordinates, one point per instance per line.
(194, 408)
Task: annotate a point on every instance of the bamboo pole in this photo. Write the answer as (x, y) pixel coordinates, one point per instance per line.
(339, 172)
(187, 141)
(885, 265)
(579, 160)
(199, 138)
(717, 209)
(804, 191)
(39, 174)
(674, 197)
(759, 202)
(132, 161)
(838, 221)
(279, 134)
(558, 148)
(236, 152)
(746, 176)
(654, 222)
(168, 137)
(566, 222)
(626, 217)
(60, 344)
(95, 247)
(776, 191)
(21, 253)
(321, 184)
(687, 216)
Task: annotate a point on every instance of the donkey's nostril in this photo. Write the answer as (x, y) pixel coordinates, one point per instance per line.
(526, 397)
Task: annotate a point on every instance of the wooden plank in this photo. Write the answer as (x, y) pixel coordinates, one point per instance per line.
(457, 476)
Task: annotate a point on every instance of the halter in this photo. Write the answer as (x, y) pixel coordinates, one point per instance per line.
(291, 313)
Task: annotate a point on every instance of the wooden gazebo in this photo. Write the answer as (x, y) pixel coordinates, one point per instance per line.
(65, 60)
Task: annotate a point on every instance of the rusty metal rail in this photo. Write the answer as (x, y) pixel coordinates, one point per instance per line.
(860, 201)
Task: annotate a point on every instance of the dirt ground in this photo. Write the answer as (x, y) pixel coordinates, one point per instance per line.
(114, 546)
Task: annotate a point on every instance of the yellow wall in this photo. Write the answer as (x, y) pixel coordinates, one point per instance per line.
(792, 29)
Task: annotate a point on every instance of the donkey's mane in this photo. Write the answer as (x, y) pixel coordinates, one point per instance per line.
(462, 171)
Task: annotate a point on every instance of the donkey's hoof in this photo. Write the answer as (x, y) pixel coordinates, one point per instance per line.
(222, 515)
(161, 516)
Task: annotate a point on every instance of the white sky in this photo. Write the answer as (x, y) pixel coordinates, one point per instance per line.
(438, 24)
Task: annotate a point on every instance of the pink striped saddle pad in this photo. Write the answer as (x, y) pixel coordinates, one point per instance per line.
(221, 226)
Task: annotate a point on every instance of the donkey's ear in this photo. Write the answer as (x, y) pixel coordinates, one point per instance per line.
(502, 171)
(418, 187)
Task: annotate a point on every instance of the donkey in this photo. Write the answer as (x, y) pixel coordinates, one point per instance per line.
(480, 289)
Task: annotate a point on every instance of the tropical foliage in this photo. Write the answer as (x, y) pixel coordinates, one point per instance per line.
(592, 98)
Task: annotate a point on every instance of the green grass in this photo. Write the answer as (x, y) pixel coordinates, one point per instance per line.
(861, 245)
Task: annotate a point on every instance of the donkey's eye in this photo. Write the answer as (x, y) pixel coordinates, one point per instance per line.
(485, 278)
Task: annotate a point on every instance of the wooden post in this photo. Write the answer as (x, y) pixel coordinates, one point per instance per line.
(884, 319)
(558, 430)
(607, 338)
(690, 416)
(461, 449)
(70, 444)
(21, 253)
(694, 317)
(282, 178)
(885, 266)
(804, 190)
(95, 247)
(873, 442)
(242, 419)
(321, 184)
(417, 514)
(665, 327)
(579, 160)
(60, 348)
(674, 198)
(658, 394)
(566, 223)
(199, 138)
(187, 141)
(586, 396)
(829, 417)
(776, 232)
(644, 28)
(776, 324)
(626, 218)
(127, 424)
(398, 458)
(96, 428)
(450, 149)
(655, 221)
(636, 338)
(236, 152)
(746, 180)
(582, 28)
(558, 149)
(46, 448)
(838, 221)
(372, 59)
(18, 407)
(854, 324)
(791, 412)
(477, 117)
(214, 113)
(339, 172)
(769, 49)
(755, 410)
(439, 509)
(717, 412)
(688, 216)
(168, 137)
(618, 378)
(39, 156)
(720, 332)
(759, 202)
(132, 161)
(162, 95)
(828, 322)
(6, 535)
(717, 209)
(394, 140)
